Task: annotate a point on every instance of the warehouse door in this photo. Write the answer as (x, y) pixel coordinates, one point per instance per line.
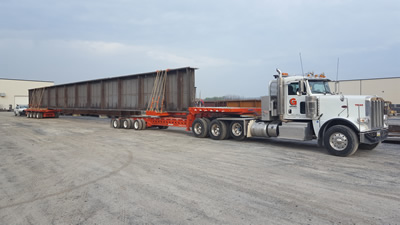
(20, 100)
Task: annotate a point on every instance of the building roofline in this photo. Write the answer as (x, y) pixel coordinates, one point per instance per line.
(381, 78)
(26, 80)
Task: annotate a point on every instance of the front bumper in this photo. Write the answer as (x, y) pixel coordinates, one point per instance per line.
(375, 136)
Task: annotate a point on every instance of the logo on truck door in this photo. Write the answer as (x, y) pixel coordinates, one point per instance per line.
(293, 102)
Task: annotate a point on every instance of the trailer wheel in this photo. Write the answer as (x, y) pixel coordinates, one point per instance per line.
(116, 123)
(131, 121)
(126, 124)
(200, 128)
(137, 125)
(144, 126)
(218, 130)
(236, 130)
(367, 146)
(340, 140)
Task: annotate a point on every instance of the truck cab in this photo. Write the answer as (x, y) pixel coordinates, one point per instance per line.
(304, 108)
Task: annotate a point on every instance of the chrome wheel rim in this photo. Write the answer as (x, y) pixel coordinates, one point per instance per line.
(198, 128)
(215, 130)
(338, 141)
(237, 129)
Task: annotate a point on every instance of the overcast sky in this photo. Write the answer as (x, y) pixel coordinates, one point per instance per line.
(235, 44)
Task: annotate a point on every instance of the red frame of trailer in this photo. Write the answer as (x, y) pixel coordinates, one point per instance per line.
(179, 119)
(47, 113)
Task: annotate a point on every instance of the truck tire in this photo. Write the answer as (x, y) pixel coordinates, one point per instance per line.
(137, 125)
(367, 146)
(218, 130)
(340, 140)
(236, 130)
(200, 128)
(115, 123)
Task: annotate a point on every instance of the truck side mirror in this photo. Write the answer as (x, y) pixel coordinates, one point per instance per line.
(301, 90)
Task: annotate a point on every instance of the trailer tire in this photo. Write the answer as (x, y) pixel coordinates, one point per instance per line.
(144, 126)
(368, 146)
(115, 123)
(341, 140)
(200, 128)
(236, 130)
(126, 124)
(218, 130)
(137, 125)
(131, 121)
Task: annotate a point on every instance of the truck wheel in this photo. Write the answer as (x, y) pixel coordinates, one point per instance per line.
(340, 140)
(218, 130)
(137, 125)
(367, 146)
(200, 128)
(236, 130)
(126, 124)
(116, 123)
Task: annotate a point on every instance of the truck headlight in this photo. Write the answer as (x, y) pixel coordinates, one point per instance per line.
(363, 120)
(385, 120)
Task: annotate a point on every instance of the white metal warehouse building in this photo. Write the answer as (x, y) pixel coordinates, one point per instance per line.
(388, 88)
(15, 92)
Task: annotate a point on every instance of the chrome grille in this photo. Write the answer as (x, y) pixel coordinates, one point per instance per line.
(376, 112)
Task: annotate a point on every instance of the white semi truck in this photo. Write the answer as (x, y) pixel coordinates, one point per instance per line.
(297, 107)
(304, 108)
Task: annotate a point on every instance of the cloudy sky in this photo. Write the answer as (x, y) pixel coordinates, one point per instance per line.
(235, 44)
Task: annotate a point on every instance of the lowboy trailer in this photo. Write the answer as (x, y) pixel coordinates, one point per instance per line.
(298, 108)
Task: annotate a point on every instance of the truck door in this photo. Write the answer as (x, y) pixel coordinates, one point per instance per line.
(295, 104)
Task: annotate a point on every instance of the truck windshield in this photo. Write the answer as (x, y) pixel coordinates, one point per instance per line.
(319, 87)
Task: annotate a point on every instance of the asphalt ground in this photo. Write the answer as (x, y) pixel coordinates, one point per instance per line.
(78, 170)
